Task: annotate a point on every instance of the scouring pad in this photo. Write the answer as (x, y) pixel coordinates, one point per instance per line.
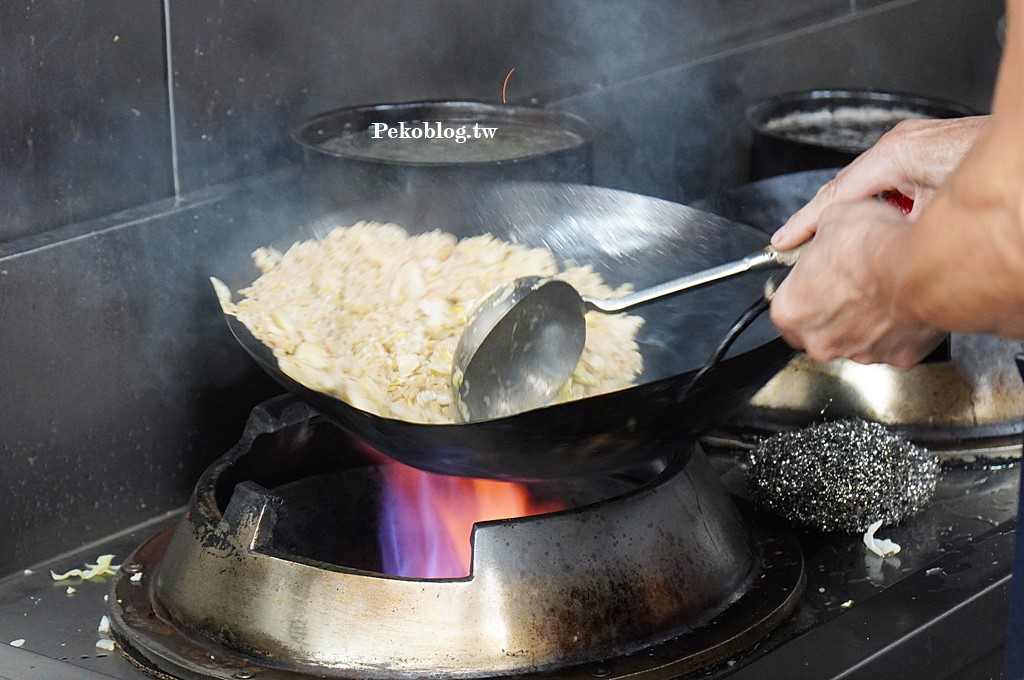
(841, 476)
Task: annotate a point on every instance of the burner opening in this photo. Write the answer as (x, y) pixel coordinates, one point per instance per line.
(283, 456)
(335, 518)
(338, 504)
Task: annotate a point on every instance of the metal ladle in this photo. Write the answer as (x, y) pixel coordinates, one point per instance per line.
(522, 342)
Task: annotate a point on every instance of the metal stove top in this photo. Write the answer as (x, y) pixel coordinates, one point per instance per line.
(61, 630)
(942, 602)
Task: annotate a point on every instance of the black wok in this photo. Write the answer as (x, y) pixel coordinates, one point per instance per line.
(628, 238)
(830, 142)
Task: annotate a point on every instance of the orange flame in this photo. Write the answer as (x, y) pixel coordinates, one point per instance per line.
(427, 519)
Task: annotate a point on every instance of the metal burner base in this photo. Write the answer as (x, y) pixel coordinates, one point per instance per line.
(276, 571)
(152, 642)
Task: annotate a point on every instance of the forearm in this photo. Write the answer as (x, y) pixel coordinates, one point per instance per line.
(961, 265)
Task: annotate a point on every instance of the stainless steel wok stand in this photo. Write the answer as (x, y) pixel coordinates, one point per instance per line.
(273, 573)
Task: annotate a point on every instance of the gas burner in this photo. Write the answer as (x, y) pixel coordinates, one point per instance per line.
(274, 571)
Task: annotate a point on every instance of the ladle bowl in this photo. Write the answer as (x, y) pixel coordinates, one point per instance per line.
(523, 341)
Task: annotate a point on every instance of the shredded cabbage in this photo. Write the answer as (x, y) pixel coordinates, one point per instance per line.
(103, 567)
(882, 547)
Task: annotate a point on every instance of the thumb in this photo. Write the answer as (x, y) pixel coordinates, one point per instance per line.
(795, 231)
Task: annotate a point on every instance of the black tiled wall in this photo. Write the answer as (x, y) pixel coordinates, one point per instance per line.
(290, 61)
(84, 127)
(87, 126)
(120, 379)
(692, 114)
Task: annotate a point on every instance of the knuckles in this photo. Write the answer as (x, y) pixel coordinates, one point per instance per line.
(822, 348)
(903, 362)
(829, 190)
(902, 130)
(782, 314)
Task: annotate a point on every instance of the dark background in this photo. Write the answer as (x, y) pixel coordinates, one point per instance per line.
(137, 139)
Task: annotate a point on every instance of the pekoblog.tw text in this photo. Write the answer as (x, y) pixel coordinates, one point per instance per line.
(431, 130)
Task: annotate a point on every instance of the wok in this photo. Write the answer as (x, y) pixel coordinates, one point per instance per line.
(627, 238)
(832, 142)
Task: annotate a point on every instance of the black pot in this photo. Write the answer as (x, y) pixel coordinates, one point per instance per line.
(818, 129)
(345, 162)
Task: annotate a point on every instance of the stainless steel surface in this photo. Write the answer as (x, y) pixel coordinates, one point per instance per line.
(594, 582)
(520, 347)
(157, 644)
(522, 343)
(339, 172)
(62, 627)
(968, 504)
(19, 664)
(627, 238)
(976, 396)
(828, 128)
(766, 257)
(522, 133)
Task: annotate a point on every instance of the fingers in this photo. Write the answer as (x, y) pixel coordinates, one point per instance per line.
(872, 172)
(804, 222)
(913, 158)
(833, 305)
(782, 318)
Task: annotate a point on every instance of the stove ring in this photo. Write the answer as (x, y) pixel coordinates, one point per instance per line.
(153, 643)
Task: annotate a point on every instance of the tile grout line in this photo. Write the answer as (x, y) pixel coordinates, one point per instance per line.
(175, 171)
(844, 18)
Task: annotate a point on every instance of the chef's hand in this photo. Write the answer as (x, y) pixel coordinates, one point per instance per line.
(834, 302)
(914, 158)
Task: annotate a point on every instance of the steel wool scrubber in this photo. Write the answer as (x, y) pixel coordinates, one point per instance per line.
(841, 476)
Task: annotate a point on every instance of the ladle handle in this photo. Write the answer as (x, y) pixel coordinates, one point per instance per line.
(762, 259)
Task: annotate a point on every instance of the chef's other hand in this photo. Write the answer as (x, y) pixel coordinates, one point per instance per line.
(834, 303)
(913, 158)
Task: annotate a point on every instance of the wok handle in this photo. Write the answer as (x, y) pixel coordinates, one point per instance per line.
(741, 324)
(785, 258)
(762, 259)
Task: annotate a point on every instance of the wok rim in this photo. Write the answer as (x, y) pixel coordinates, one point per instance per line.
(762, 112)
(264, 356)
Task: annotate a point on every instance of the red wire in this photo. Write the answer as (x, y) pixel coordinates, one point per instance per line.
(504, 86)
